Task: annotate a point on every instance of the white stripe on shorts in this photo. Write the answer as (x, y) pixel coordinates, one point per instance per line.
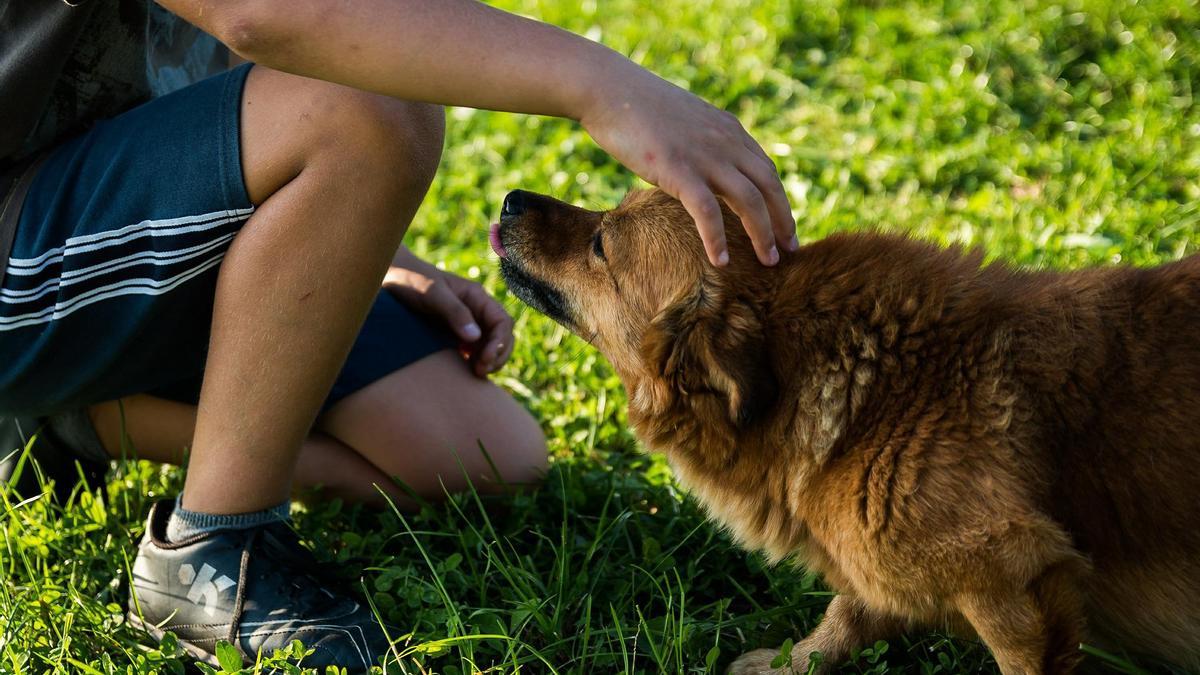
(126, 287)
(95, 242)
(72, 277)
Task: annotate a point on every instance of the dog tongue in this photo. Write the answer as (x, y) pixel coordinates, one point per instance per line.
(494, 238)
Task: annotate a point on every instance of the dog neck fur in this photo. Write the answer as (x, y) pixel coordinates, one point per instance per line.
(709, 398)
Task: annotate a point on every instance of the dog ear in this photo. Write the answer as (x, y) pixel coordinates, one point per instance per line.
(700, 347)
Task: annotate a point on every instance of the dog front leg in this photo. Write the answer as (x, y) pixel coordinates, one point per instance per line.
(1030, 631)
(848, 624)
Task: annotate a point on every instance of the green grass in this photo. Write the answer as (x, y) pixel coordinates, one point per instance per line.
(1048, 134)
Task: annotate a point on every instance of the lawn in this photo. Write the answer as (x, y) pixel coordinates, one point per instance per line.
(1052, 135)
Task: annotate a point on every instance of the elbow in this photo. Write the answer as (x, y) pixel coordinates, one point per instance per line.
(252, 29)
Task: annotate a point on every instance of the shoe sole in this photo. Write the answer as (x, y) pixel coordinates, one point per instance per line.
(192, 650)
(157, 633)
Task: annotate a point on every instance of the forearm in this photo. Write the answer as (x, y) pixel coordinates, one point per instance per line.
(452, 52)
(461, 52)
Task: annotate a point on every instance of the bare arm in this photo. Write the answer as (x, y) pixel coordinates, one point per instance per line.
(461, 52)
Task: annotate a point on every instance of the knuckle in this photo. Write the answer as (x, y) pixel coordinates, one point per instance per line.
(765, 170)
(719, 136)
(707, 208)
(671, 184)
(749, 195)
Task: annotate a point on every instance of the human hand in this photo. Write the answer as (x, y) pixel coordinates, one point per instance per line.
(694, 152)
(475, 317)
(506, 62)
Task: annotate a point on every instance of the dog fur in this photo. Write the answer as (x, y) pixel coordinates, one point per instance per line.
(1012, 454)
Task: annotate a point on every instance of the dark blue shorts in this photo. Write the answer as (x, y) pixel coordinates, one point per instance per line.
(110, 284)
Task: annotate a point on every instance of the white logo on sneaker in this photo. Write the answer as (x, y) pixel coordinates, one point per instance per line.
(204, 590)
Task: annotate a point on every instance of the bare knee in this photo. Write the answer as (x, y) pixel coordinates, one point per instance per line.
(438, 428)
(396, 143)
(520, 454)
(292, 124)
(506, 451)
(401, 139)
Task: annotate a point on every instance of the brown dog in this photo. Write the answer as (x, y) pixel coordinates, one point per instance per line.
(1012, 454)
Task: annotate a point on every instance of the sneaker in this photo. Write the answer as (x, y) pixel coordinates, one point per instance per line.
(257, 589)
(56, 458)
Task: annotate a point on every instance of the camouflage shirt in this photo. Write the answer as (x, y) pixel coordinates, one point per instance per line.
(65, 65)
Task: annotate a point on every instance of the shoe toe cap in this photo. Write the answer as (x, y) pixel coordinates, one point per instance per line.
(356, 645)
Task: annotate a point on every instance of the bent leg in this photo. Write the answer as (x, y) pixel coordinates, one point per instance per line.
(336, 175)
(161, 430)
(416, 424)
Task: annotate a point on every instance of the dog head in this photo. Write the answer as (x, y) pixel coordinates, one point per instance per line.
(636, 283)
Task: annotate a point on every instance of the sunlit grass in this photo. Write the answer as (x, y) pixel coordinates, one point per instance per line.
(1049, 134)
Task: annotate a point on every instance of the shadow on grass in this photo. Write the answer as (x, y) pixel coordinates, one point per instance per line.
(604, 568)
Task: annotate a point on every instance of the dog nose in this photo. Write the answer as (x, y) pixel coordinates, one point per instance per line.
(514, 203)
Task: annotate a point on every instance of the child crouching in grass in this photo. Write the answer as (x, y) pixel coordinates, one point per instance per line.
(220, 267)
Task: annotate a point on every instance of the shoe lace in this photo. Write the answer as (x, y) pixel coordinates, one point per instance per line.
(286, 545)
(279, 544)
(282, 545)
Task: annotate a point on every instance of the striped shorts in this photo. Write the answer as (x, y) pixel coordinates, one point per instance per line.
(109, 287)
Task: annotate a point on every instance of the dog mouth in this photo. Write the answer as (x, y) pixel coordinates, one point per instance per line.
(534, 292)
(496, 242)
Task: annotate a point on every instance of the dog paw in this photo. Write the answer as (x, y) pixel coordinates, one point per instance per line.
(757, 662)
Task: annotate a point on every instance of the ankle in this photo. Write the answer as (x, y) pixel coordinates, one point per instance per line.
(184, 524)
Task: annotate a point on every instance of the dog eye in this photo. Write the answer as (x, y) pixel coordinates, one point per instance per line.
(598, 246)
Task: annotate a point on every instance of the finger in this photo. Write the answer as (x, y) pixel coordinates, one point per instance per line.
(475, 362)
(500, 339)
(747, 202)
(502, 326)
(445, 303)
(702, 206)
(505, 352)
(766, 179)
(765, 175)
(498, 327)
(487, 311)
(488, 361)
(757, 149)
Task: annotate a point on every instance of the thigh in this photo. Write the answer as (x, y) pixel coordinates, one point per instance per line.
(391, 338)
(424, 423)
(109, 286)
(112, 277)
(405, 400)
